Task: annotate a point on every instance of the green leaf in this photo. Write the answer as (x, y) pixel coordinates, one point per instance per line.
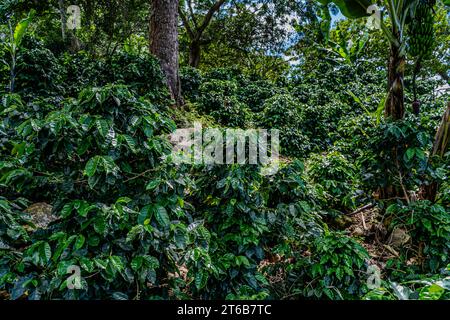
(134, 121)
(86, 264)
(92, 181)
(66, 210)
(400, 291)
(201, 278)
(146, 213)
(410, 153)
(242, 261)
(22, 27)
(45, 252)
(151, 262)
(109, 165)
(427, 224)
(79, 242)
(61, 247)
(352, 8)
(194, 225)
(136, 263)
(339, 273)
(119, 296)
(380, 109)
(111, 137)
(153, 184)
(334, 259)
(11, 175)
(85, 208)
(100, 225)
(433, 292)
(116, 263)
(358, 101)
(57, 236)
(102, 127)
(261, 278)
(131, 143)
(103, 264)
(134, 232)
(91, 166)
(161, 216)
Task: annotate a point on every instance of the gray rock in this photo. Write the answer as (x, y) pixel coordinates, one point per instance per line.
(41, 214)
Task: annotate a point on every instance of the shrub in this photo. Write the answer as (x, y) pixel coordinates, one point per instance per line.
(334, 267)
(233, 114)
(214, 92)
(337, 176)
(255, 93)
(219, 100)
(292, 210)
(140, 72)
(230, 203)
(191, 80)
(429, 226)
(396, 155)
(124, 223)
(39, 71)
(319, 121)
(282, 112)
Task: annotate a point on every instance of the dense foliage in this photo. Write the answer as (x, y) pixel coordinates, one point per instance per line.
(88, 183)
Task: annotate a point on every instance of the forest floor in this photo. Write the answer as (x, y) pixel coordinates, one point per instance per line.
(370, 228)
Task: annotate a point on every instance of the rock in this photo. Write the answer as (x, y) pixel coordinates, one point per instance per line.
(358, 232)
(41, 214)
(399, 237)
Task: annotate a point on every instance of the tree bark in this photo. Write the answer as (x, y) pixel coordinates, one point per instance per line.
(395, 105)
(62, 12)
(195, 32)
(440, 147)
(194, 54)
(164, 42)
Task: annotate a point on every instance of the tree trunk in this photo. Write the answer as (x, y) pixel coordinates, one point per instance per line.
(164, 42)
(395, 108)
(395, 105)
(62, 13)
(440, 147)
(194, 54)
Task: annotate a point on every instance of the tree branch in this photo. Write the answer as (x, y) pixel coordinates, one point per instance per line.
(186, 23)
(192, 14)
(209, 15)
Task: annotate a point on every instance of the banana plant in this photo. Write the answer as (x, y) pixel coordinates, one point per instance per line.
(399, 13)
(347, 51)
(13, 46)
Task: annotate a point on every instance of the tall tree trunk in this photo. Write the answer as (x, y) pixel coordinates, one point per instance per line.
(194, 54)
(164, 42)
(12, 71)
(395, 105)
(395, 108)
(440, 147)
(62, 13)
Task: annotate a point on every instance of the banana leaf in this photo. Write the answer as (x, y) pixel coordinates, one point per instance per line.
(351, 8)
(22, 27)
